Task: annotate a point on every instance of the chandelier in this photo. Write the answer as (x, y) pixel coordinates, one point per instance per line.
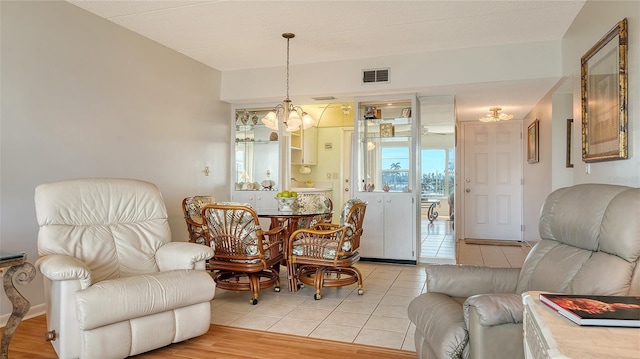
(292, 117)
(494, 116)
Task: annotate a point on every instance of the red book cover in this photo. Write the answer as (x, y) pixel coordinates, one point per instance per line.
(599, 310)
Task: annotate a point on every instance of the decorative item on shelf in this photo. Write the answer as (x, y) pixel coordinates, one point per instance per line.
(273, 136)
(386, 187)
(386, 130)
(406, 112)
(369, 113)
(267, 185)
(369, 187)
(371, 146)
(308, 183)
(494, 116)
(245, 117)
(292, 117)
(304, 169)
(254, 119)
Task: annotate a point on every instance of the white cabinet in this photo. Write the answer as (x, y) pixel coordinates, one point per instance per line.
(389, 227)
(385, 154)
(304, 147)
(259, 200)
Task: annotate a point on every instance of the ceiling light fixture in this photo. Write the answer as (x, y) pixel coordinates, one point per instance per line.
(292, 117)
(494, 116)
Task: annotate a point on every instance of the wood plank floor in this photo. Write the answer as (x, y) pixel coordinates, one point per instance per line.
(219, 342)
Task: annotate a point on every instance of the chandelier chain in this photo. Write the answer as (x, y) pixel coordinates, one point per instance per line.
(288, 36)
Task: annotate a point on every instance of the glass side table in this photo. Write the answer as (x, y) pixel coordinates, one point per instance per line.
(20, 271)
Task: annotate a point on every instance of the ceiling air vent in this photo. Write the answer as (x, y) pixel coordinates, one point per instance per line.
(375, 76)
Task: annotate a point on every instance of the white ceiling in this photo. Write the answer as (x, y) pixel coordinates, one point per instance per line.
(237, 35)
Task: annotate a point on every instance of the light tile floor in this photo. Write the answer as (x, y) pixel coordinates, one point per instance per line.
(378, 317)
(438, 241)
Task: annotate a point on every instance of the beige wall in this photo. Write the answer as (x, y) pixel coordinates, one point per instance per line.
(591, 24)
(563, 101)
(82, 97)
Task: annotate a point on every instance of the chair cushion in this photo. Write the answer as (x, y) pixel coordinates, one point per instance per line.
(313, 203)
(346, 208)
(193, 207)
(112, 301)
(329, 248)
(193, 213)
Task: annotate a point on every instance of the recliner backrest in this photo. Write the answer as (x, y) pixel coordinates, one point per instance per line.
(115, 226)
(590, 242)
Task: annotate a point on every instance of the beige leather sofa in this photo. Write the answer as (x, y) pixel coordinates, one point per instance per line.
(590, 244)
(115, 283)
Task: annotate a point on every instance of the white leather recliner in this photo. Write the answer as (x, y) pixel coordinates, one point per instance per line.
(115, 283)
(590, 244)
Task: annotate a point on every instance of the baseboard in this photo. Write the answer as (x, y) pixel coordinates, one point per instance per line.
(493, 242)
(391, 261)
(438, 261)
(34, 311)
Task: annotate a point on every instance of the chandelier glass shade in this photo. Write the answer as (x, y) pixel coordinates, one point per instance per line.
(292, 117)
(494, 116)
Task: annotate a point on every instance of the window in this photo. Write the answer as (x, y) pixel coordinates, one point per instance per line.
(395, 167)
(438, 169)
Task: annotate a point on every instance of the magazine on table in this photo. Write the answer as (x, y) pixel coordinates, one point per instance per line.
(599, 310)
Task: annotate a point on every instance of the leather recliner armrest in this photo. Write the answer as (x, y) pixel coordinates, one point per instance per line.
(494, 323)
(466, 280)
(57, 267)
(495, 309)
(182, 255)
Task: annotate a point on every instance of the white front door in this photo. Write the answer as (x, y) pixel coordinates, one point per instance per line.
(492, 180)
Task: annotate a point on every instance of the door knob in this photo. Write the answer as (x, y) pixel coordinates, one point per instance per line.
(346, 189)
(468, 190)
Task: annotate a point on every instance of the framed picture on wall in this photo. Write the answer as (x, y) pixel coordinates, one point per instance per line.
(604, 97)
(532, 141)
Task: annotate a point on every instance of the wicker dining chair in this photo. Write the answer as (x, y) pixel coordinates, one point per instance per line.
(324, 256)
(192, 209)
(246, 258)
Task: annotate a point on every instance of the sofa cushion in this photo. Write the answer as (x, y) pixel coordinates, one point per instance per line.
(115, 300)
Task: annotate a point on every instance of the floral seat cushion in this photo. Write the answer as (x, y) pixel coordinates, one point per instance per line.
(314, 203)
(193, 214)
